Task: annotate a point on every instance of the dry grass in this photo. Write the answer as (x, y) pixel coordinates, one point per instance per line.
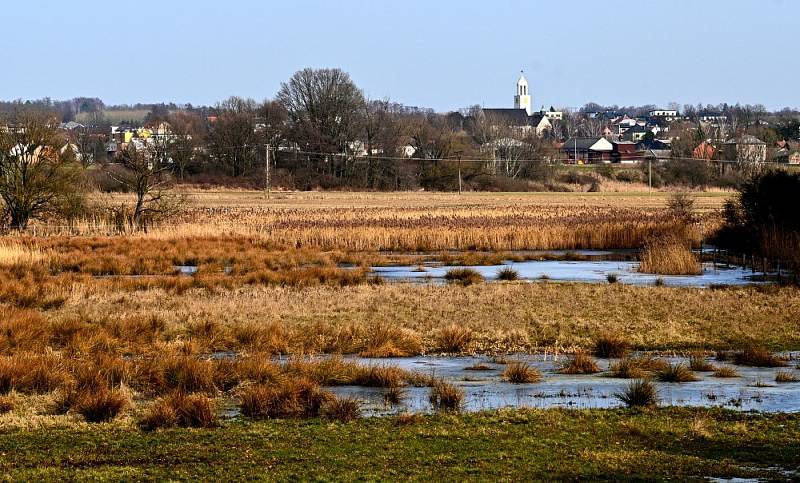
(100, 406)
(611, 346)
(6, 404)
(580, 363)
(639, 393)
(521, 373)
(445, 396)
(454, 338)
(179, 409)
(786, 376)
(699, 363)
(676, 373)
(13, 254)
(757, 357)
(292, 398)
(669, 255)
(637, 367)
(342, 409)
(463, 276)
(725, 372)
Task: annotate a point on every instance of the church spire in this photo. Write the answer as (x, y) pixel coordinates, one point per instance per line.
(522, 99)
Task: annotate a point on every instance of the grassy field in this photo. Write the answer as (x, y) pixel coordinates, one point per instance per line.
(508, 445)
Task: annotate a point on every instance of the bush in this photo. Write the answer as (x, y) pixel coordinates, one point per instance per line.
(463, 276)
(612, 278)
(521, 373)
(639, 393)
(445, 396)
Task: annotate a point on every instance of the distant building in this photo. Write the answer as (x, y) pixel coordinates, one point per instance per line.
(588, 150)
(624, 152)
(668, 115)
(704, 150)
(745, 149)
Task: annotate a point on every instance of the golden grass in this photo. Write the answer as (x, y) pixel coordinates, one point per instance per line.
(669, 255)
(13, 253)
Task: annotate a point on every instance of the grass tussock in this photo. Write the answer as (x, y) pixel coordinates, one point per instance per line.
(32, 373)
(676, 373)
(100, 406)
(610, 346)
(669, 255)
(786, 377)
(14, 254)
(580, 363)
(637, 367)
(521, 373)
(479, 367)
(463, 276)
(725, 372)
(293, 398)
(454, 339)
(640, 393)
(393, 395)
(446, 396)
(187, 374)
(507, 274)
(179, 409)
(757, 357)
(342, 409)
(698, 363)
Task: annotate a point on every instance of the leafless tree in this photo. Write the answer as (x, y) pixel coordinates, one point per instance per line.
(37, 177)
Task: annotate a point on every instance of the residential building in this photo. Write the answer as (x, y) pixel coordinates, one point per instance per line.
(588, 150)
(745, 149)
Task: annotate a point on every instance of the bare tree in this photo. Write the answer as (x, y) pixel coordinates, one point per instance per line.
(37, 177)
(145, 172)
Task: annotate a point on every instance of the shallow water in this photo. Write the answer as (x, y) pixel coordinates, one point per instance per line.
(580, 271)
(485, 389)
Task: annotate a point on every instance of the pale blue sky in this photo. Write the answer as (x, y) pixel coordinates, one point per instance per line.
(444, 54)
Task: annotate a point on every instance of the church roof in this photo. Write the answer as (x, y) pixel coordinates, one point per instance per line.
(517, 117)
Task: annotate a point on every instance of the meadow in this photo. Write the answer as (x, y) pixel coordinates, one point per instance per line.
(101, 326)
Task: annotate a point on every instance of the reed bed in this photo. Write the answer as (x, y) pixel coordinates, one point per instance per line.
(669, 255)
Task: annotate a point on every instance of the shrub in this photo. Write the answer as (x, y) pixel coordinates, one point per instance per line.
(445, 396)
(636, 367)
(724, 372)
(463, 276)
(757, 357)
(612, 278)
(786, 376)
(180, 409)
(669, 255)
(454, 338)
(676, 373)
(639, 394)
(610, 346)
(521, 373)
(508, 274)
(344, 409)
(101, 405)
(580, 363)
(700, 364)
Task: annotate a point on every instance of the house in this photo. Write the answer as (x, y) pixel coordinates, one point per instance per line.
(668, 115)
(704, 150)
(71, 126)
(587, 150)
(635, 133)
(552, 114)
(787, 155)
(745, 149)
(624, 152)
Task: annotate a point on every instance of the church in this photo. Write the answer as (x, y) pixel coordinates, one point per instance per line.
(522, 116)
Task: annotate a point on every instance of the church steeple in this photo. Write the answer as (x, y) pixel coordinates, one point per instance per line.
(522, 99)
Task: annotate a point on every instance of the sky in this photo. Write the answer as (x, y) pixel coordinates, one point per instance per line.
(442, 54)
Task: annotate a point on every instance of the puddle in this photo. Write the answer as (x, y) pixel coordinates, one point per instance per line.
(485, 390)
(591, 271)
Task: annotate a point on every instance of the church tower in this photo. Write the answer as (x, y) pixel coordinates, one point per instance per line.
(523, 98)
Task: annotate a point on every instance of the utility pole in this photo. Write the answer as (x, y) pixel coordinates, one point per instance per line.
(459, 172)
(269, 186)
(650, 176)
